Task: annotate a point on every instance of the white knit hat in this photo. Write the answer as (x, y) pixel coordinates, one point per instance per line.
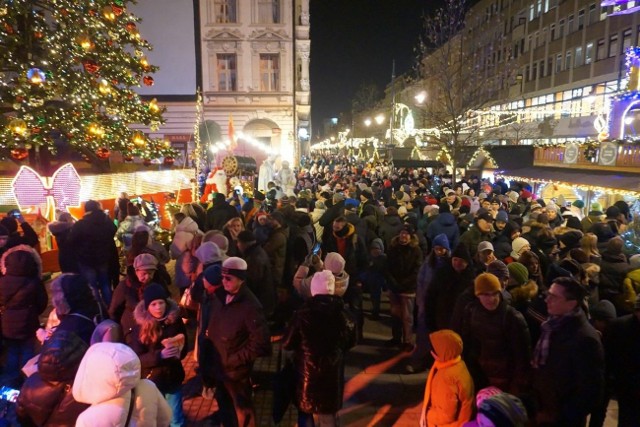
(323, 283)
(334, 262)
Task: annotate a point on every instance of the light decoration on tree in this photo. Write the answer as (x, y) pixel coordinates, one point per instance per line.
(68, 64)
(34, 193)
(631, 235)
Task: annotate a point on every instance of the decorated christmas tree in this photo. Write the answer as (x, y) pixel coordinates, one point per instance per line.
(631, 236)
(68, 70)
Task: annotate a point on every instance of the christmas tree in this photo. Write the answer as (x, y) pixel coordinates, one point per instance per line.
(67, 73)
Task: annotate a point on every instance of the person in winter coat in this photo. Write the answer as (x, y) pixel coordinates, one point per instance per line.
(276, 247)
(231, 229)
(498, 346)
(448, 394)
(479, 232)
(22, 299)
(376, 277)
(321, 332)
(66, 254)
(131, 223)
(14, 238)
(502, 409)
(183, 241)
(568, 361)
(129, 292)
(91, 238)
(259, 278)
(75, 306)
(613, 271)
(108, 379)
(159, 340)
(220, 213)
(405, 259)
(45, 398)
(390, 226)
(236, 334)
(318, 210)
(444, 223)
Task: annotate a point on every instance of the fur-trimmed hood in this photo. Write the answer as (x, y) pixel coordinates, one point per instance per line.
(141, 315)
(525, 292)
(414, 242)
(21, 260)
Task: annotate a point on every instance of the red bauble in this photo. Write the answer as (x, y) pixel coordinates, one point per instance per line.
(146, 162)
(148, 80)
(19, 153)
(169, 161)
(91, 66)
(103, 153)
(38, 34)
(118, 10)
(131, 26)
(128, 158)
(35, 129)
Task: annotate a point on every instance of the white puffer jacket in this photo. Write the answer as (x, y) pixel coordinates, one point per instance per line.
(107, 374)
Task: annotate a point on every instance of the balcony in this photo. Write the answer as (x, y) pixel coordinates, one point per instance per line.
(627, 160)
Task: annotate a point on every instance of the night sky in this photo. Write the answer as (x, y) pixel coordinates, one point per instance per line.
(355, 41)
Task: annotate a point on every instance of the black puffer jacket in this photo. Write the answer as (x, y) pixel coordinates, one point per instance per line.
(45, 398)
(22, 295)
(167, 374)
(66, 253)
(91, 239)
(322, 330)
(404, 264)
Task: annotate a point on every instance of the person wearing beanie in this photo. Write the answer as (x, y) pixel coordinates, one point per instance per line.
(375, 276)
(577, 209)
(92, 238)
(449, 390)
(61, 228)
(129, 291)
(482, 230)
(405, 258)
(159, 340)
(595, 216)
(234, 334)
(320, 333)
(23, 298)
(259, 279)
(519, 245)
(502, 410)
(568, 360)
(498, 343)
(613, 272)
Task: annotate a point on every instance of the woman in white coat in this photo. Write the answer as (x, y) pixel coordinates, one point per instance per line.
(109, 380)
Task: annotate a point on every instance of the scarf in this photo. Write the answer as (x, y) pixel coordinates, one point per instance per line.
(554, 323)
(427, 390)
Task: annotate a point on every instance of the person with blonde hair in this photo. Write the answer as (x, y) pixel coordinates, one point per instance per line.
(231, 229)
(589, 244)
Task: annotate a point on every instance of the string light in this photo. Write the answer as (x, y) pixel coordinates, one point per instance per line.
(573, 185)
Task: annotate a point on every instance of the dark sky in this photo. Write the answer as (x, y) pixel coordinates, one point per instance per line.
(355, 41)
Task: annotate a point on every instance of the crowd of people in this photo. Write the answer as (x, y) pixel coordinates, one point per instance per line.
(529, 306)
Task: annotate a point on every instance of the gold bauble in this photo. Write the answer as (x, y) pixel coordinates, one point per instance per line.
(138, 139)
(18, 127)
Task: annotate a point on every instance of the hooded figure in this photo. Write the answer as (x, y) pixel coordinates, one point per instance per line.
(108, 379)
(449, 394)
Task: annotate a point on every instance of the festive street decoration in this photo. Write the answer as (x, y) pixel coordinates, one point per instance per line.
(618, 9)
(581, 187)
(71, 69)
(34, 193)
(631, 236)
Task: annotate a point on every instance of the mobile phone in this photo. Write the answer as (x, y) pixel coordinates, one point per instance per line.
(316, 249)
(9, 394)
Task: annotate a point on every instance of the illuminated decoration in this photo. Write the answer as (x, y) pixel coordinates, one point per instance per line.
(197, 156)
(19, 153)
(31, 191)
(444, 156)
(623, 103)
(621, 7)
(18, 127)
(96, 130)
(488, 159)
(153, 106)
(36, 76)
(169, 161)
(571, 185)
(138, 139)
(82, 65)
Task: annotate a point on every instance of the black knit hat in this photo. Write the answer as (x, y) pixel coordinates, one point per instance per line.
(154, 292)
(461, 251)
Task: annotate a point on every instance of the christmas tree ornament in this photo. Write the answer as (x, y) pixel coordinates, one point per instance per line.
(96, 130)
(91, 66)
(148, 80)
(36, 76)
(108, 13)
(103, 153)
(19, 153)
(153, 106)
(127, 158)
(169, 161)
(138, 139)
(146, 162)
(118, 9)
(131, 27)
(145, 63)
(84, 41)
(104, 87)
(36, 102)
(18, 127)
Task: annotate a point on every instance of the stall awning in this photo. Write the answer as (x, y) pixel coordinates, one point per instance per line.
(580, 178)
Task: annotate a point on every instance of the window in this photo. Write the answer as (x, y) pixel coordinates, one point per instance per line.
(526, 74)
(558, 63)
(549, 65)
(567, 61)
(570, 24)
(542, 68)
(613, 46)
(224, 11)
(534, 71)
(588, 53)
(600, 52)
(626, 39)
(580, 19)
(269, 72)
(269, 11)
(561, 28)
(227, 72)
(552, 32)
(578, 58)
(531, 12)
(593, 16)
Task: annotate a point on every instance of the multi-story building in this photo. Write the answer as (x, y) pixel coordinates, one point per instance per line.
(253, 59)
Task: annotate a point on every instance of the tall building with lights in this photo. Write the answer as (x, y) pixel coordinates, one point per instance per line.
(251, 63)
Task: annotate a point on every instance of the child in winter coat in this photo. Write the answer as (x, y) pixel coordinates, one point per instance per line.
(109, 380)
(159, 340)
(448, 395)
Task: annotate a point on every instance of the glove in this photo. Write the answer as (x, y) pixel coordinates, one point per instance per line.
(169, 352)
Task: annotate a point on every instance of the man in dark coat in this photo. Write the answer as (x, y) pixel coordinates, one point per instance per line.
(321, 332)
(220, 213)
(236, 335)
(259, 278)
(481, 231)
(92, 240)
(568, 361)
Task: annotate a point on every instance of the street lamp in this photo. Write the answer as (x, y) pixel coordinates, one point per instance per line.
(420, 97)
(367, 122)
(379, 119)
